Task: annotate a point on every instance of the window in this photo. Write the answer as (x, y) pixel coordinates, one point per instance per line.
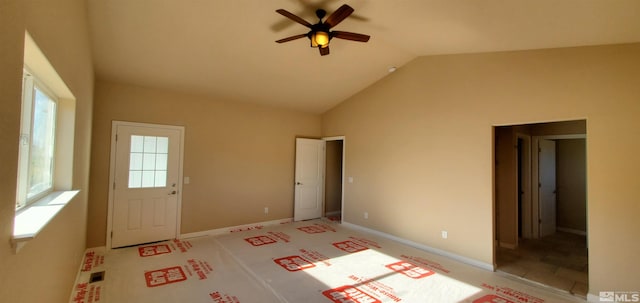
(37, 142)
(45, 144)
(148, 161)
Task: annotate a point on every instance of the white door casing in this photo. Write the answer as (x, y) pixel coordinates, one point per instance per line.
(309, 179)
(146, 163)
(547, 186)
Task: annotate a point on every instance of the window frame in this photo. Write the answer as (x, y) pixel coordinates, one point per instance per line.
(30, 84)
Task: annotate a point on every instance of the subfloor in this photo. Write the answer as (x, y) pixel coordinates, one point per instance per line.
(311, 261)
(559, 260)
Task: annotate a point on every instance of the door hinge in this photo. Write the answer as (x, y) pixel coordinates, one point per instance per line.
(114, 185)
(112, 234)
(116, 137)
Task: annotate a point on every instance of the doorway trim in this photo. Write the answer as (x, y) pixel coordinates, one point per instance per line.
(344, 142)
(112, 170)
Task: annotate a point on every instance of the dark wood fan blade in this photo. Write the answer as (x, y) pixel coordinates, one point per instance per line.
(324, 50)
(340, 14)
(350, 36)
(293, 17)
(291, 38)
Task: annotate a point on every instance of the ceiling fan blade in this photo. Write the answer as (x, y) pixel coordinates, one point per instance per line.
(350, 36)
(294, 17)
(340, 14)
(324, 50)
(291, 38)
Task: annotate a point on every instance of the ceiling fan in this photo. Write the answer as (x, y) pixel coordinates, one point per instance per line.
(320, 33)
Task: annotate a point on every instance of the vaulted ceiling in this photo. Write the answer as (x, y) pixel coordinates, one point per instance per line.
(225, 49)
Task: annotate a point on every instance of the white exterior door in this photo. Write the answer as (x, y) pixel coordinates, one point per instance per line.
(547, 186)
(146, 187)
(309, 179)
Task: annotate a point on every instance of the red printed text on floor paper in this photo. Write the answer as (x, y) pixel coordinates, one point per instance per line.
(260, 240)
(294, 263)
(87, 293)
(315, 256)
(182, 246)
(91, 260)
(219, 297)
(376, 287)
(426, 263)
(492, 299)
(349, 246)
(366, 242)
(410, 270)
(246, 228)
(152, 250)
(198, 268)
(164, 276)
(349, 294)
(316, 228)
(280, 236)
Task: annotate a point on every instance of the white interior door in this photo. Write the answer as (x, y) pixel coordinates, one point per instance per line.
(309, 179)
(547, 186)
(145, 188)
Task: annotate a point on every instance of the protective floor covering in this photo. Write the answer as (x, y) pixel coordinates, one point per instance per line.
(312, 261)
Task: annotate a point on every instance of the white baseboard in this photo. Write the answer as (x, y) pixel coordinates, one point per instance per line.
(426, 248)
(572, 231)
(230, 229)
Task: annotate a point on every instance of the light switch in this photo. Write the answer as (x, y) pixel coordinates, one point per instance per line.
(350, 179)
(186, 180)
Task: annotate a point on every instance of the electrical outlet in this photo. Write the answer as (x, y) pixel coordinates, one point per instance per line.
(266, 210)
(366, 215)
(445, 234)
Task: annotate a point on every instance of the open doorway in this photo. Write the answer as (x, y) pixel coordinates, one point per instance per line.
(540, 203)
(334, 178)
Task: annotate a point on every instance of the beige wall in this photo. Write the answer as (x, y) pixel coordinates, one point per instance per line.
(333, 177)
(44, 270)
(239, 157)
(572, 184)
(420, 147)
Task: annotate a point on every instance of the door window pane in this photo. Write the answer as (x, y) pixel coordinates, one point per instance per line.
(148, 161)
(135, 179)
(161, 162)
(135, 163)
(161, 179)
(137, 144)
(148, 178)
(149, 144)
(163, 145)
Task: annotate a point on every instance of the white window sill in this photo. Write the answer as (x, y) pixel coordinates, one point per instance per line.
(31, 219)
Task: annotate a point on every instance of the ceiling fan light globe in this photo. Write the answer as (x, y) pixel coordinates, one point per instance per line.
(320, 38)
